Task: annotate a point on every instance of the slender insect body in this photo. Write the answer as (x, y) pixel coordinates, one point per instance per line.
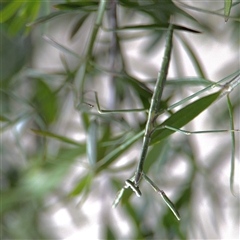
(154, 133)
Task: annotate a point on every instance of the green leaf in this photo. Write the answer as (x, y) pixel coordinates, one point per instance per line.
(84, 6)
(58, 137)
(46, 18)
(192, 81)
(10, 10)
(183, 116)
(70, 153)
(61, 47)
(83, 183)
(110, 234)
(139, 87)
(193, 57)
(208, 11)
(4, 119)
(110, 157)
(34, 10)
(155, 27)
(77, 25)
(227, 8)
(45, 102)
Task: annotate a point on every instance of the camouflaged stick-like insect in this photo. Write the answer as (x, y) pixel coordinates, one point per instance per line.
(170, 125)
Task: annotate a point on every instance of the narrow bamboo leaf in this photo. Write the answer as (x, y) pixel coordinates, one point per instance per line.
(184, 116)
(194, 58)
(60, 47)
(109, 158)
(230, 109)
(46, 18)
(83, 183)
(58, 137)
(208, 11)
(156, 27)
(77, 26)
(92, 139)
(192, 81)
(227, 8)
(86, 6)
(138, 86)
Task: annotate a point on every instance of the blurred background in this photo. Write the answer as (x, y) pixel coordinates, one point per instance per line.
(62, 162)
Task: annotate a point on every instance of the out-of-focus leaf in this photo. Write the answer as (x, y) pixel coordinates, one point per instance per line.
(144, 92)
(16, 25)
(9, 10)
(61, 47)
(184, 116)
(154, 155)
(155, 27)
(34, 9)
(84, 6)
(58, 137)
(18, 47)
(193, 57)
(193, 81)
(45, 102)
(4, 119)
(157, 10)
(83, 183)
(41, 179)
(21, 13)
(92, 140)
(227, 8)
(109, 233)
(46, 18)
(109, 158)
(232, 172)
(208, 11)
(70, 153)
(77, 25)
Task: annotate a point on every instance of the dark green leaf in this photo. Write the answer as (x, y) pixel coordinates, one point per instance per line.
(77, 25)
(4, 119)
(84, 6)
(45, 102)
(193, 57)
(184, 116)
(46, 18)
(155, 27)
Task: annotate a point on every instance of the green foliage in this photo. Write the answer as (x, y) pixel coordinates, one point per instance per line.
(56, 145)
